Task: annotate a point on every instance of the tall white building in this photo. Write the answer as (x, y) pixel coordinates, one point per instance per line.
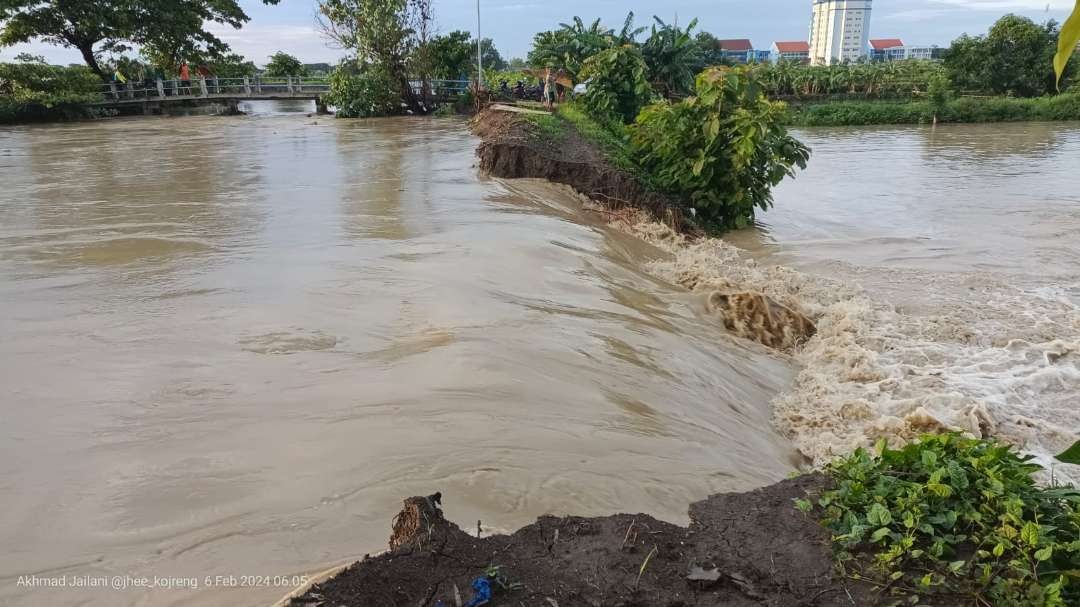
(839, 31)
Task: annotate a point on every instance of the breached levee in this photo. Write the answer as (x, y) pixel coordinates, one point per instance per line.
(1001, 363)
(874, 372)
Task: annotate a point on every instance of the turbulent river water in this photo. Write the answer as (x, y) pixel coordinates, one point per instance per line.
(230, 345)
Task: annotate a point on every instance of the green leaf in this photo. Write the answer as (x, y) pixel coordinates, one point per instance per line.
(1072, 454)
(956, 566)
(804, 505)
(929, 458)
(698, 166)
(1044, 554)
(939, 489)
(1067, 41)
(878, 515)
(909, 520)
(879, 534)
(1029, 533)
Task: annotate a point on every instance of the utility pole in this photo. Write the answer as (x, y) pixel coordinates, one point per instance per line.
(479, 53)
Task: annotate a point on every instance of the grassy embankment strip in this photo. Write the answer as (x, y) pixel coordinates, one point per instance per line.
(962, 110)
(611, 140)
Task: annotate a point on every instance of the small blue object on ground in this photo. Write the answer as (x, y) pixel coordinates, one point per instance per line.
(482, 586)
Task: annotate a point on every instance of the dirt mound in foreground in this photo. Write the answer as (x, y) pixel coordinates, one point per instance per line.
(513, 147)
(751, 548)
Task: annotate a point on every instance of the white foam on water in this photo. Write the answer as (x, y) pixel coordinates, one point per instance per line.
(990, 360)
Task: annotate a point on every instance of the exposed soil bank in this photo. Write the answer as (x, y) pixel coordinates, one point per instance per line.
(751, 548)
(513, 148)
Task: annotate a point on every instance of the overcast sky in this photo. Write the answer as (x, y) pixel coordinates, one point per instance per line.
(290, 26)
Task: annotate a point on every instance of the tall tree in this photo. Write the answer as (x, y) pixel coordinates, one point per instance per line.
(1015, 56)
(491, 58)
(451, 56)
(169, 27)
(384, 34)
(283, 64)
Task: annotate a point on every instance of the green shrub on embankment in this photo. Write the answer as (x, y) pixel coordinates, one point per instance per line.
(32, 91)
(964, 109)
(954, 519)
(720, 151)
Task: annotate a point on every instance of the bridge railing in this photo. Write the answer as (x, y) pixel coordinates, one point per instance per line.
(212, 87)
(255, 86)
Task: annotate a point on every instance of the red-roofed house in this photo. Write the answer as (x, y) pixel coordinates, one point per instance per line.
(737, 44)
(797, 51)
(887, 49)
(739, 50)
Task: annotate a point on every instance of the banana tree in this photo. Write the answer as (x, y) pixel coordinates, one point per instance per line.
(671, 54)
(1067, 41)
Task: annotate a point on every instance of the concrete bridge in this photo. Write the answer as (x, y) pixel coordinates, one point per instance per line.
(156, 96)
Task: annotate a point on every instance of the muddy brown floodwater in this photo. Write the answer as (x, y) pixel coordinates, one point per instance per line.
(230, 346)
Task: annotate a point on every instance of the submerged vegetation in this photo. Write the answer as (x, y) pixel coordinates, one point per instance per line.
(956, 518)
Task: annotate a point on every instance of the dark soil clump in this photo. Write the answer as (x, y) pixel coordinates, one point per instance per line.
(513, 147)
(751, 548)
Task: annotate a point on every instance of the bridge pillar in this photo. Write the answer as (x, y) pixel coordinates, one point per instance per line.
(258, 85)
(288, 83)
(160, 88)
(247, 86)
(112, 90)
(202, 86)
(320, 105)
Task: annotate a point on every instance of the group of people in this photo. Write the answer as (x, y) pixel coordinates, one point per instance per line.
(149, 76)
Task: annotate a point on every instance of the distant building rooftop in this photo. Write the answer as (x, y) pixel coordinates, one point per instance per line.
(886, 43)
(793, 47)
(738, 44)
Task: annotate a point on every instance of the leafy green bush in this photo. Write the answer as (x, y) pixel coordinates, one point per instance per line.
(37, 91)
(723, 149)
(617, 84)
(956, 517)
(372, 92)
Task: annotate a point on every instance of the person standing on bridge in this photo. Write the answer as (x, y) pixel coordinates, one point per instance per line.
(185, 79)
(118, 79)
